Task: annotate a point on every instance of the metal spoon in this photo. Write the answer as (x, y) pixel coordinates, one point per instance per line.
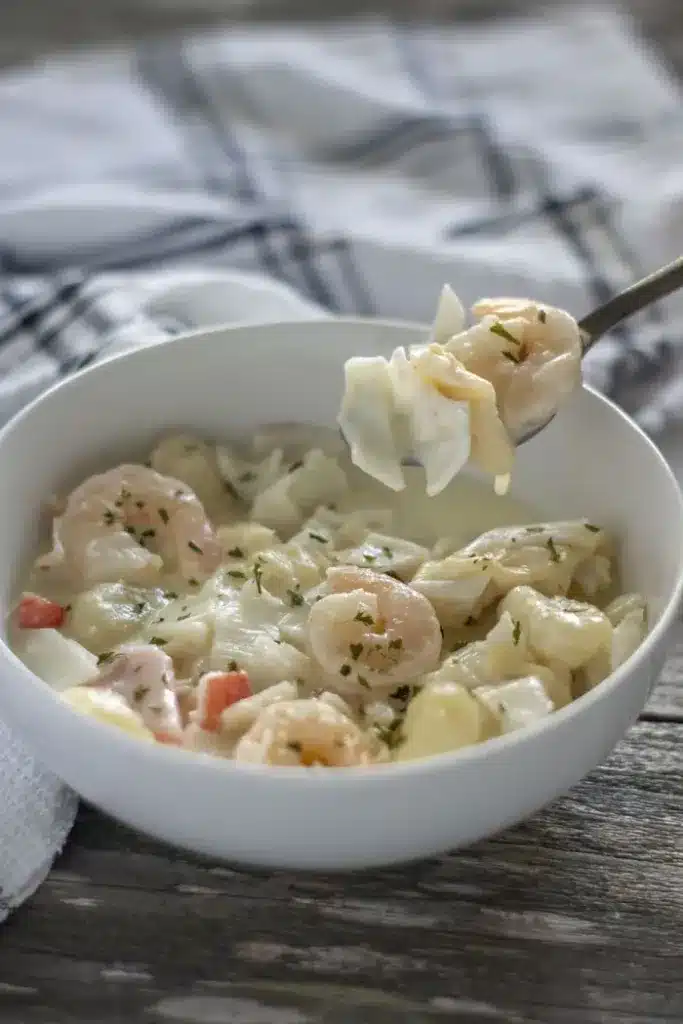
(632, 300)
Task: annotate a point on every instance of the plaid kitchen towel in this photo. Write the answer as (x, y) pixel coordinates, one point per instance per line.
(363, 164)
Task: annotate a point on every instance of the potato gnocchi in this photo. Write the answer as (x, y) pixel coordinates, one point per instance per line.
(236, 602)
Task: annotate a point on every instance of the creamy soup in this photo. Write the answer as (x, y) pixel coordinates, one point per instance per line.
(272, 604)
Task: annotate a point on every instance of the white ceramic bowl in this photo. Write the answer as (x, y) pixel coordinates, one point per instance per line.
(591, 461)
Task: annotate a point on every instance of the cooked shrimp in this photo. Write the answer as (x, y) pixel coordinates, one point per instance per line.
(530, 353)
(143, 675)
(128, 525)
(308, 732)
(373, 629)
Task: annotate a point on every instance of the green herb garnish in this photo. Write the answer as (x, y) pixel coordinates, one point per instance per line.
(317, 536)
(390, 734)
(511, 356)
(163, 515)
(355, 650)
(345, 670)
(554, 553)
(296, 465)
(105, 657)
(158, 641)
(109, 517)
(542, 315)
(387, 552)
(593, 529)
(233, 666)
(194, 547)
(295, 598)
(516, 632)
(503, 332)
(236, 574)
(361, 616)
(236, 553)
(396, 645)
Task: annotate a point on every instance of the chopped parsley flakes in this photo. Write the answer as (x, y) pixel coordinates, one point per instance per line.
(502, 332)
(363, 617)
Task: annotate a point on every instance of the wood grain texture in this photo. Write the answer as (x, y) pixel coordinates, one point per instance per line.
(666, 701)
(573, 918)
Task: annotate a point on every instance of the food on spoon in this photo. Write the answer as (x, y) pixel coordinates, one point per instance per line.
(467, 393)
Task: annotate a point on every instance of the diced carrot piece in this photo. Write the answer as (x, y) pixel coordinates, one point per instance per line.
(218, 691)
(38, 613)
(167, 737)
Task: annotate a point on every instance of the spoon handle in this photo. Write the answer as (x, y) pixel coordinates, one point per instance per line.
(656, 286)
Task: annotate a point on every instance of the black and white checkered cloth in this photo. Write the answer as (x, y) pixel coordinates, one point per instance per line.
(361, 164)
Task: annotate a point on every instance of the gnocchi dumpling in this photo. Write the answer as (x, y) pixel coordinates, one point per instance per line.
(516, 704)
(108, 707)
(557, 628)
(442, 717)
(401, 558)
(192, 460)
(546, 556)
(110, 613)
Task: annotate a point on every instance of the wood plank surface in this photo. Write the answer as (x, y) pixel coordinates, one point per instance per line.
(576, 917)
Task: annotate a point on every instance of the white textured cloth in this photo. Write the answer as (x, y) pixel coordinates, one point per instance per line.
(363, 164)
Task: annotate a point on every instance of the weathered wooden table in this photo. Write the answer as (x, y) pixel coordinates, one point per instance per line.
(575, 917)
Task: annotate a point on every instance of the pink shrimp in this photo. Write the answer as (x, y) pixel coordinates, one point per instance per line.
(373, 629)
(130, 524)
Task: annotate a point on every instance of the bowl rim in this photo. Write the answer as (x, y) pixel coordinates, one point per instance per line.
(377, 774)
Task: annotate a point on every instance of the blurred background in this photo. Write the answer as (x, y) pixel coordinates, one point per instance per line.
(30, 28)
